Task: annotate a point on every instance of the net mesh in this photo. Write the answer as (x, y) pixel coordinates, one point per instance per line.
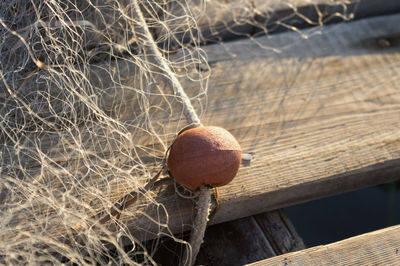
(87, 116)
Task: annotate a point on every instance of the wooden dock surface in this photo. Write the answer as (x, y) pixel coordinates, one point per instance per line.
(380, 247)
(320, 115)
(319, 112)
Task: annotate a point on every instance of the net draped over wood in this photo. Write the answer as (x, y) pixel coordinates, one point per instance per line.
(87, 116)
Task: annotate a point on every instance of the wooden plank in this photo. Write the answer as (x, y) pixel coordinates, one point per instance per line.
(319, 114)
(380, 247)
(321, 117)
(246, 239)
(227, 20)
(124, 72)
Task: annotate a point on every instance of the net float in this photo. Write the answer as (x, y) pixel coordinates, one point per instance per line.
(204, 156)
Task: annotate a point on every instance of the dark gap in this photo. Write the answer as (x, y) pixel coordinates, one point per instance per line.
(335, 218)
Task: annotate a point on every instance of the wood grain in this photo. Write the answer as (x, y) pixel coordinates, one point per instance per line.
(320, 115)
(376, 248)
(227, 20)
(244, 240)
(280, 231)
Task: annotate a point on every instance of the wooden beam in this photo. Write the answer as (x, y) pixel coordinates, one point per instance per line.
(234, 243)
(244, 240)
(280, 231)
(380, 247)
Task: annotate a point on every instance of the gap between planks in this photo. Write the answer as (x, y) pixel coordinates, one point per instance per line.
(249, 239)
(245, 240)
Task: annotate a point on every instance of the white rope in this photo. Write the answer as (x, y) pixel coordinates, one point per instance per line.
(204, 201)
(154, 54)
(203, 209)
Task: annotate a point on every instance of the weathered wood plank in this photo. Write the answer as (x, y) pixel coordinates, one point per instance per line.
(246, 239)
(226, 20)
(320, 116)
(376, 248)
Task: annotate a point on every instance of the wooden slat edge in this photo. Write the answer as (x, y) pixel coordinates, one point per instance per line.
(271, 200)
(380, 247)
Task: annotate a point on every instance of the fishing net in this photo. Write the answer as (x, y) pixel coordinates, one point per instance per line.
(88, 112)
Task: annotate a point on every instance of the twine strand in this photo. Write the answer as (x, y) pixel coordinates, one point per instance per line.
(204, 202)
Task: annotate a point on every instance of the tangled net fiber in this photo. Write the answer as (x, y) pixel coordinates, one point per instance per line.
(87, 114)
